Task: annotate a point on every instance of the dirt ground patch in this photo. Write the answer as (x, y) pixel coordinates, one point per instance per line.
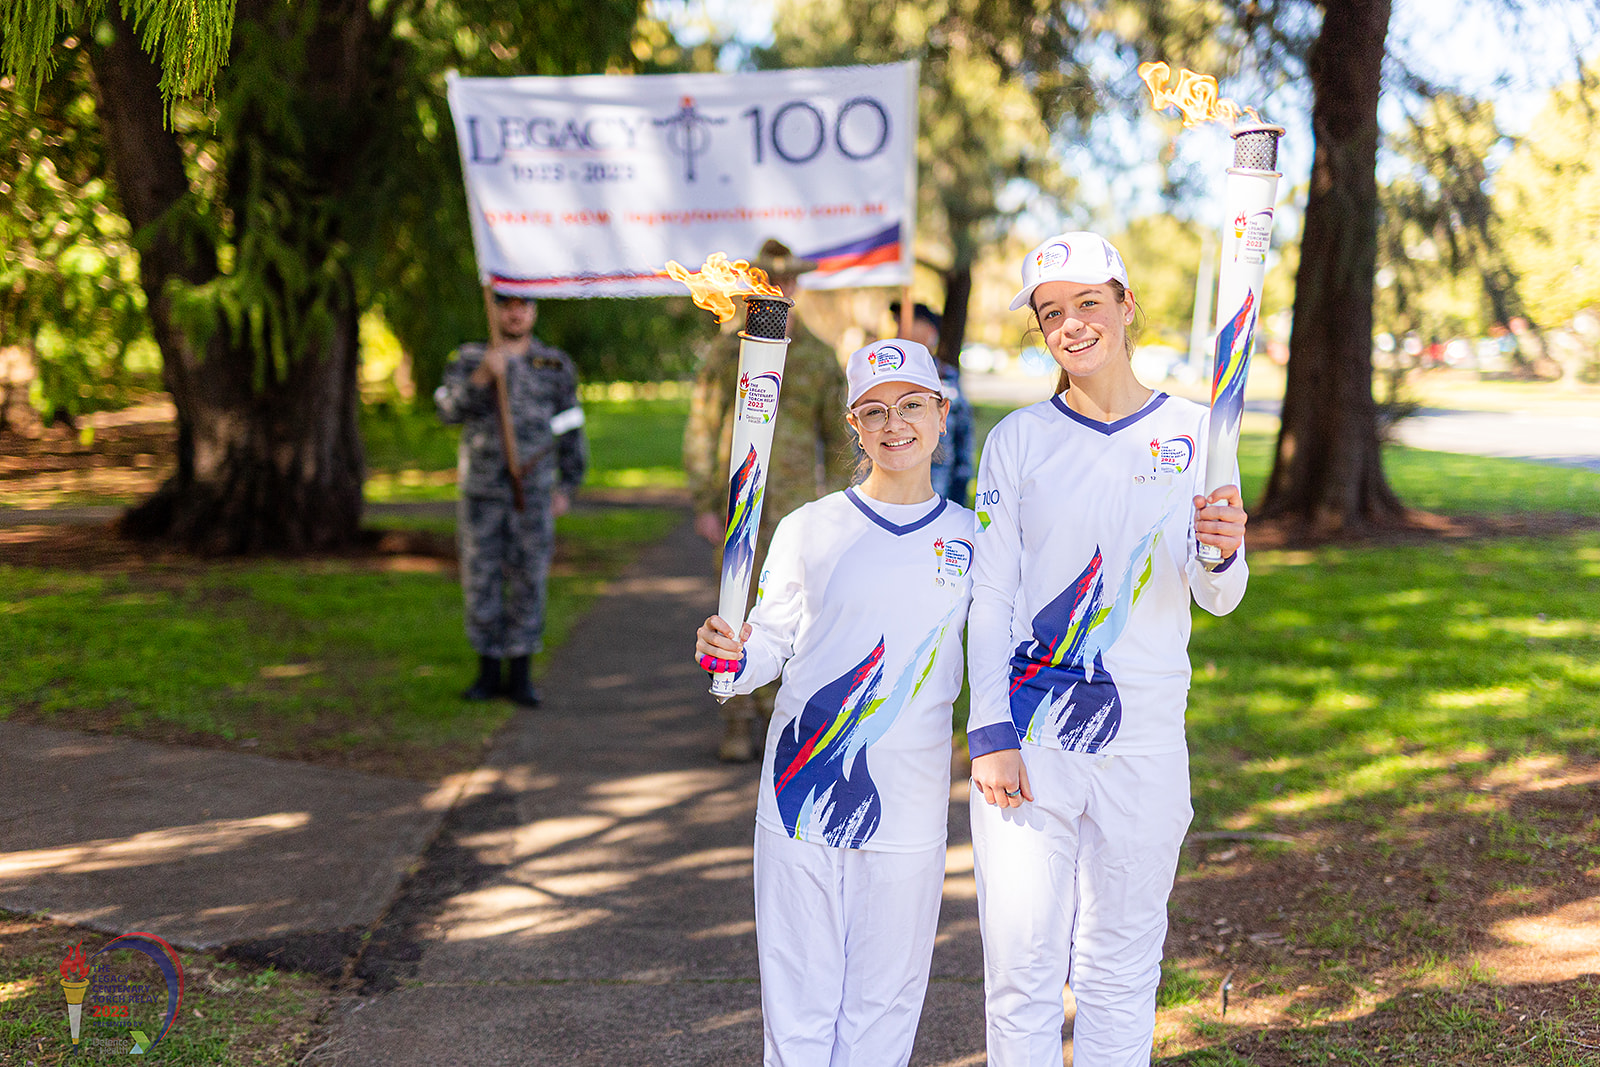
(1422, 528)
(98, 548)
(108, 456)
(1465, 933)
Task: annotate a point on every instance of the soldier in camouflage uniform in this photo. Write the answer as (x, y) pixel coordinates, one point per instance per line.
(811, 452)
(505, 553)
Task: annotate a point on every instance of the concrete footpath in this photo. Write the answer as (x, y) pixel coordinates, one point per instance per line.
(588, 901)
(202, 847)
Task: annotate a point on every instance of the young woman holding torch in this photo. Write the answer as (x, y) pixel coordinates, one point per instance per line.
(860, 608)
(1089, 506)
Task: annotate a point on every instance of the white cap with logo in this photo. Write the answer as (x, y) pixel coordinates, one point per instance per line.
(892, 360)
(1079, 256)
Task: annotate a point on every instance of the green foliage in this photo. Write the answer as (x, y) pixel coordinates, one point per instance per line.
(627, 340)
(69, 278)
(1443, 269)
(188, 41)
(312, 184)
(1456, 484)
(994, 83)
(1548, 197)
(1163, 254)
(1178, 986)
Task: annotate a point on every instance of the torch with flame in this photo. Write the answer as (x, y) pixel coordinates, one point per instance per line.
(74, 983)
(763, 345)
(1249, 200)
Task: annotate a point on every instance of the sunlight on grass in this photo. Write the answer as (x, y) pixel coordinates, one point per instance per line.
(319, 659)
(635, 439)
(1456, 659)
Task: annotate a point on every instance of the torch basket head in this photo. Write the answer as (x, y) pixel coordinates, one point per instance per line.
(766, 318)
(1255, 146)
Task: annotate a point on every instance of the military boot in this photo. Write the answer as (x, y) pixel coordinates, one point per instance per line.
(487, 687)
(519, 687)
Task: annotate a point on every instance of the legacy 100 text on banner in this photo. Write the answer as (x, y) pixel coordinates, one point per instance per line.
(586, 186)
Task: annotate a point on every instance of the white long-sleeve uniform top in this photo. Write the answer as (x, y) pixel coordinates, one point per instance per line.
(1085, 564)
(860, 607)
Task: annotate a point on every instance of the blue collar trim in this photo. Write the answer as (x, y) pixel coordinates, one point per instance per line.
(1109, 428)
(913, 527)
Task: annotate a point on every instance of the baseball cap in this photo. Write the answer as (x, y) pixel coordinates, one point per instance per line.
(1079, 256)
(891, 360)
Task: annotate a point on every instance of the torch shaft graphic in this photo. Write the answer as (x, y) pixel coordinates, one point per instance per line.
(1251, 195)
(763, 346)
(74, 990)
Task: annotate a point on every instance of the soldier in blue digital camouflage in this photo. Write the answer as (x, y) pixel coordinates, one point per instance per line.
(812, 453)
(505, 553)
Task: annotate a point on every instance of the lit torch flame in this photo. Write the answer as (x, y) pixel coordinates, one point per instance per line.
(1195, 95)
(714, 285)
(76, 963)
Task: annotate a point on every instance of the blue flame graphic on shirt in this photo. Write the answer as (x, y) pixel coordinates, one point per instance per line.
(745, 491)
(819, 770)
(1060, 687)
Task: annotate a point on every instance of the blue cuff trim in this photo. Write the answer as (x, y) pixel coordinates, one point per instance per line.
(996, 738)
(1225, 564)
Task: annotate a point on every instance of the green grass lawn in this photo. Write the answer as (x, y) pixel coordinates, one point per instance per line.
(1348, 676)
(331, 660)
(633, 443)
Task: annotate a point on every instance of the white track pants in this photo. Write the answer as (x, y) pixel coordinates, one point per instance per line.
(845, 938)
(1072, 889)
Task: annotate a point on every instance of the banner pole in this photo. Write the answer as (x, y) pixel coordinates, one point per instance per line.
(508, 431)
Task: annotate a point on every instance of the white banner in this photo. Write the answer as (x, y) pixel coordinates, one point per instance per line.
(587, 186)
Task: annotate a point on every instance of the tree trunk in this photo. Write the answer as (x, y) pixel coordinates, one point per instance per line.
(267, 461)
(1327, 477)
(953, 324)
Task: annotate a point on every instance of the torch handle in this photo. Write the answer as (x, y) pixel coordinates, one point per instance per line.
(1250, 198)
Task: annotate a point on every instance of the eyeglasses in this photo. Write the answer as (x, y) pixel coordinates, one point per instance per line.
(912, 408)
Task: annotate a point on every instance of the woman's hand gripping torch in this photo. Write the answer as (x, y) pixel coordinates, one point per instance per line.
(763, 345)
(1249, 200)
(1251, 195)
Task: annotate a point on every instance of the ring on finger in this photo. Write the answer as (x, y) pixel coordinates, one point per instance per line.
(1014, 793)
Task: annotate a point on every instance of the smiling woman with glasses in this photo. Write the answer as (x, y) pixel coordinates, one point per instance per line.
(850, 822)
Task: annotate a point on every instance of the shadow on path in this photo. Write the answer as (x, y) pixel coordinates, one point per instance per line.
(588, 901)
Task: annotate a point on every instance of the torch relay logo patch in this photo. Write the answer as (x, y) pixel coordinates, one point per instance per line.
(1053, 255)
(758, 397)
(955, 557)
(119, 998)
(1173, 455)
(886, 358)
